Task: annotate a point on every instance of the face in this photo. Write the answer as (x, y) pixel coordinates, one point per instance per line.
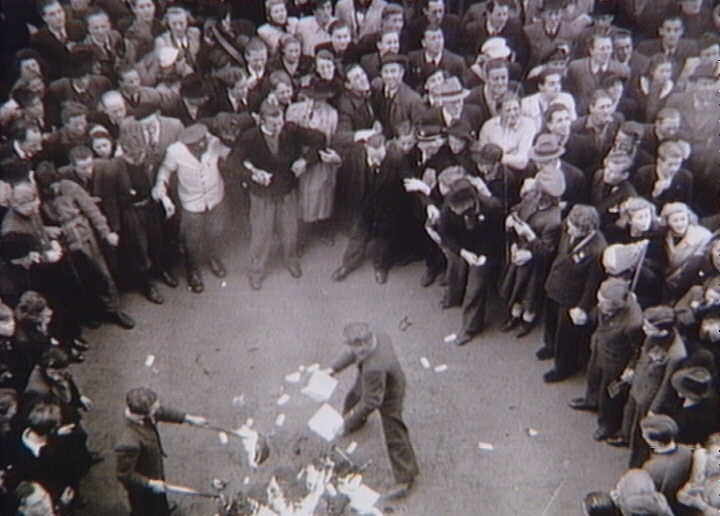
(54, 15)
(606, 306)
(357, 80)
(102, 147)
(376, 153)
(454, 107)
(273, 123)
(284, 93)
(26, 204)
(323, 13)
(130, 81)
(456, 144)
(406, 142)
(134, 155)
(497, 80)
(434, 81)
(341, 39)
(392, 75)
(77, 124)
(154, 408)
(198, 147)
(36, 109)
(144, 9)
(573, 230)
(177, 22)
(325, 68)
(7, 328)
(671, 31)
(601, 50)
(394, 23)
(433, 42)
(560, 123)
(84, 167)
(641, 220)
(614, 174)
(616, 90)
(602, 110)
(29, 69)
(623, 48)
(499, 16)
(292, 52)
(256, 59)
(678, 222)
(99, 26)
(435, 11)
(710, 330)
(662, 73)
(115, 108)
(278, 14)
(668, 165)
(510, 112)
(389, 43)
(668, 127)
(551, 86)
(45, 317)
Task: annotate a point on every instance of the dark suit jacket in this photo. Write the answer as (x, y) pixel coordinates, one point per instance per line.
(419, 69)
(62, 90)
(406, 105)
(576, 185)
(475, 33)
(576, 272)
(681, 186)
(450, 26)
(581, 82)
(686, 48)
(53, 51)
(471, 114)
(371, 64)
(354, 113)
(295, 142)
(607, 202)
(380, 382)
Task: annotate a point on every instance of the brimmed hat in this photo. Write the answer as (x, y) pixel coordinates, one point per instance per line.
(428, 133)
(394, 58)
(692, 382)
(192, 87)
(546, 147)
(659, 424)
(451, 90)
(357, 333)
(460, 129)
(661, 316)
(193, 134)
(488, 153)
(552, 182)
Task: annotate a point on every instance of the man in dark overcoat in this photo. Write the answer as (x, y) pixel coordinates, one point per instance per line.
(140, 453)
(380, 385)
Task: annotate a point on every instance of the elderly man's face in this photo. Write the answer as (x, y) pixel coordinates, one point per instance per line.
(115, 108)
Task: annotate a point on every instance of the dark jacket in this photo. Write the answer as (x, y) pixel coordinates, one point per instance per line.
(419, 69)
(680, 190)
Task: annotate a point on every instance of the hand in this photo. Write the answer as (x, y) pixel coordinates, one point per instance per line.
(578, 316)
(299, 167)
(66, 429)
(330, 156)
(113, 239)
(472, 258)
(54, 254)
(156, 486)
(480, 186)
(87, 403)
(168, 206)
(67, 496)
(158, 192)
(522, 256)
(196, 420)
(433, 214)
(413, 184)
(510, 221)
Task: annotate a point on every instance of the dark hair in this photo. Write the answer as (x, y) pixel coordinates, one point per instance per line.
(599, 503)
(79, 152)
(19, 129)
(44, 4)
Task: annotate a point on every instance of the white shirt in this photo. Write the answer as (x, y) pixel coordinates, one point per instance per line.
(515, 142)
(534, 107)
(200, 185)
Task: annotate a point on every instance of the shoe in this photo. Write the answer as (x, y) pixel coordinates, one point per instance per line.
(195, 282)
(381, 276)
(525, 329)
(152, 294)
(463, 339)
(399, 490)
(80, 344)
(601, 434)
(76, 356)
(544, 353)
(168, 278)
(217, 268)
(295, 270)
(255, 282)
(93, 324)
(582, 404)
(429, 277)
(618, 441)
(554, 376)
(510, 324)
(121, 319)
(96, 458)
(340, 274)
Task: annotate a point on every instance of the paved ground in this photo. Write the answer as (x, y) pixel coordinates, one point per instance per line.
(231, 341)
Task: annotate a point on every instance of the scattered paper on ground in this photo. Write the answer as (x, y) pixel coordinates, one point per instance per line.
(150, 360)
(320, 386)
(238, 401)
(450, 338)
(280, 420)
(441, 368)
(363, 498)
(425, 362)
(246, 480)
(485, 446)
(327, 422)
(283, 400)
(351, 448)
(223, 438)
(532, 432)
(293, 377)
(223, 284)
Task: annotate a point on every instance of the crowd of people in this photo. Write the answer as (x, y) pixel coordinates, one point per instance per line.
(560, 152)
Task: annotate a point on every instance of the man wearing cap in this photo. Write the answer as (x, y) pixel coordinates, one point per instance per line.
(542, 35)
(662, 353)
(432, 57)
(378, 172)
(669, 464)
(380, 385)
(453, 107)
(271, 157)
(393, 100)
(545, 156)
(616, 338)
(470, 228)
(140, 453)
(698, 417)
(355, 112)
(196, 158)
(571, 289)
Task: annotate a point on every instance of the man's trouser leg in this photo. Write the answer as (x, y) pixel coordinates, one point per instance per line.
(457, 277)
(192, 231)
(357, 243)
(214, 224)
(476, 292)
(610, 410)
(400, 450)
(288, 228)
(594, 378)
(262, 227)
(144, 502)
(550, 323)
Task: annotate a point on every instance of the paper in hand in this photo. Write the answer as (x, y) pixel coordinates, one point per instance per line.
(320, 386)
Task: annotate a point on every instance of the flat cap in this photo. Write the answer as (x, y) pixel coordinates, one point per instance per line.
(661, 315)
(140, 399)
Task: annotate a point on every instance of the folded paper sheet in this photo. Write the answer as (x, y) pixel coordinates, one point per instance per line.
(320, 386)
(327, 422)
